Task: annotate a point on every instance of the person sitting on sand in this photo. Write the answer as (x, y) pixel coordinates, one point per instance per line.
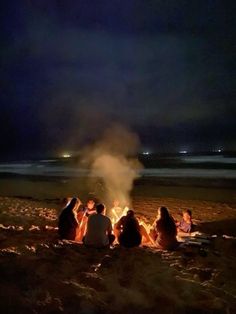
(129, 232)
(99, 229)
(164, 232)
(185, 225)
(116, 211)
(90, 207)
(82, 217)
(68, 224)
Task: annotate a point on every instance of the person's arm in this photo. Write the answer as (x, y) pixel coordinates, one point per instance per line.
(187, 227)
(109, 228)
(72, 220)
(154, 224)
(119, 224)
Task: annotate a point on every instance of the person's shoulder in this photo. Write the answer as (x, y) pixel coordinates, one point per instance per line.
(106, 218)
(93, 216)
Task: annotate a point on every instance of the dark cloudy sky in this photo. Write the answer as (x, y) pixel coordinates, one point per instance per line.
(70, 68)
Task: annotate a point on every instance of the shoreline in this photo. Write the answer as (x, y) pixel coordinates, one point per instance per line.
(50, 187)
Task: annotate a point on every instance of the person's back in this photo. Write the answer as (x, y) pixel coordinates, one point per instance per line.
(166, 230)
(99, 230)
(166, 237)
(67, 223)
(130, 235)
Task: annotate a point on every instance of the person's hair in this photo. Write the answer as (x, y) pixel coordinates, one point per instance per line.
(72, 204)
(130, 213)
(100, 208)
(130, 222)
(90, 200)
(188, 211)
(164, 214)
(65, 200)
(165, 222)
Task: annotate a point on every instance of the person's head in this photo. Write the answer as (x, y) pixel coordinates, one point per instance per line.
(163, 213)
(131, 222)
(165, 222)
(90, 203)
(100, 208)
(116, 203)
(187, 215)
(130, 213)
(73, 204)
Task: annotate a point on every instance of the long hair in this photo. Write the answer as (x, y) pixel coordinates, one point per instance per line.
(165, 222)
(67, 223)
(131, 222)
(69, 207)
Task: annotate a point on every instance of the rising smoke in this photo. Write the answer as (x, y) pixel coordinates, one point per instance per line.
(113, 158)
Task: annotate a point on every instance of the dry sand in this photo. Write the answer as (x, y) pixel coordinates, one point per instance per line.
(41, 274)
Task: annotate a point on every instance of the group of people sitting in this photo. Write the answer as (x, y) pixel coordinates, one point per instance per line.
(90, 224)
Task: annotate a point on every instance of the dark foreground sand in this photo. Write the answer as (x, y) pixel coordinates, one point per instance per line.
(41, 274)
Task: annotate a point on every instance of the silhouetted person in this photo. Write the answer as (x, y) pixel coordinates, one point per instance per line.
(99, 229)
(128, 230)
(67, 220)
(165, 232)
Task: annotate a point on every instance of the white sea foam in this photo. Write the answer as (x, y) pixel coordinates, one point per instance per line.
(48, 170)
(209, 159)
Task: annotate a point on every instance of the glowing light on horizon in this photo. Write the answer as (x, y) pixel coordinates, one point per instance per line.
(183, 151)
(218, 150)
(66, 155)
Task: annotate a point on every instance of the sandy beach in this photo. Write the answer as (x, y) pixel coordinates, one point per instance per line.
(42, 274)
(131, 105)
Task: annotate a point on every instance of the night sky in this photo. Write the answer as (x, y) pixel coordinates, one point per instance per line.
(70, 69)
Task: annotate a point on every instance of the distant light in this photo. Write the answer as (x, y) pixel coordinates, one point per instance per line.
(219, 150)
(183, 152)
(146, 153)
(66, 155)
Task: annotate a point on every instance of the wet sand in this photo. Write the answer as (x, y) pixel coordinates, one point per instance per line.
(49, 187)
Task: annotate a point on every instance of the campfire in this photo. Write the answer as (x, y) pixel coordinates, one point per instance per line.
(117, 213)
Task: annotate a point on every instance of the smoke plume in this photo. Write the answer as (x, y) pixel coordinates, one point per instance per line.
(113, 158)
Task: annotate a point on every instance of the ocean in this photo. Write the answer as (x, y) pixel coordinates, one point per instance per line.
(194, 166)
